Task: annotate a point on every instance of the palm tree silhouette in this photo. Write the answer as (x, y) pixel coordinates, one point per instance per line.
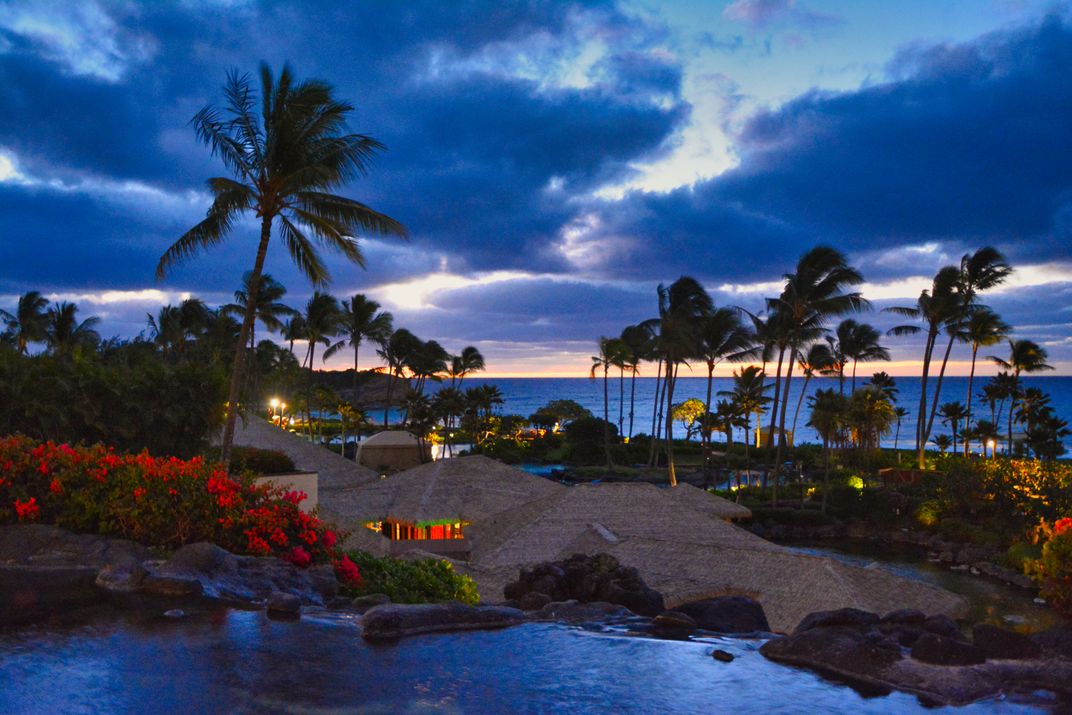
(984, 328)
(722, 337)
(469, 361)
(1025, 356)
(29, 323)
(953, 414)
(360, 319)
(321, 322)
(285, 161)
(749, 398)
(609, 348)
(64, 332)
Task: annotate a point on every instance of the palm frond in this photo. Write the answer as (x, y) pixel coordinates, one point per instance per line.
(303, 253)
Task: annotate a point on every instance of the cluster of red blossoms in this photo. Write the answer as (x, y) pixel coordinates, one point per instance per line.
(1062, 525)
(163, 502)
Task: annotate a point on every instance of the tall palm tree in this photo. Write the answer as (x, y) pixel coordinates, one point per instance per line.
(469, 361)
(321, 321)
(816, 291)
(722, 337)
(267, 307)
(396, 351)
(428, 361)
(1025, 356)
(635, 343)
(608, 351)
(899, 414)
(818, 359)
(29, 323)
(936, 307)
(749, 397)
(174, 326)
(285, 161)
(682, 307)
(953, 414)
(293, 330)
(360, 318)
(828, 410)
(859, 341)
(65, 332)
(984, 328)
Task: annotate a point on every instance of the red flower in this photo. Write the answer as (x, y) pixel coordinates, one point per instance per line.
(348, 571)
(55, 487)
(139, 492)
(1062, 525)
(295, 497)
(328, 539)
(299, 557)
(27, 511)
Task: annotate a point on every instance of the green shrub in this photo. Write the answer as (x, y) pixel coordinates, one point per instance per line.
(1020, 554)
(963, 531)
(424, 581)
(1053, 569)
(256, 461)
(585, 439)
(792, 517)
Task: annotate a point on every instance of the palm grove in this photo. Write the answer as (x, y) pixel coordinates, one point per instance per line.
(805, 331)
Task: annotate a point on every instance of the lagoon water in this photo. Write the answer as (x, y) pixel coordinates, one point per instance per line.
(220, 660)
(523, 396)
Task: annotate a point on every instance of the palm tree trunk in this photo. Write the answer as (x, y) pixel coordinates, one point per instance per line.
(921, 442)
(353, 382)
(243, 335)
(800, 401)
(632, 398)
(781, 424)
(669, 425)
(656, 427)
(938, 391)
(971, 378)
(390, 388)
(826, 470)
(621, 401)
(777, 396)
(705, 434)
(309, 388)
(606, 416)
(854, 361)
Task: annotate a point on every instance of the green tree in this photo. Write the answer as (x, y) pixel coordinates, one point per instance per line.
(321, 322)
(953, 414)
(828, 410)
(268, 307)
(360, 319)
(285, 161)
(608, 352)
(749, 398)
(858, 341)
(397, 351)
(690, 414)
(984, 328)
(469, 361)
(817, 359)
(722, 336)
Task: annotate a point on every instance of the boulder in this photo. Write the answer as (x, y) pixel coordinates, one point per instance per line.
(722, 656)
(283, 604)
(727, 614)
(585, 578)
(1000, 644)
(170, 585)
(852, 617)
(575, 612)
(533, 601)
(940, 650)
(369, 601)
(840, 650)
(905, 617)
(675, 620)
(396, 620)
(1056, 641)
(943, 625)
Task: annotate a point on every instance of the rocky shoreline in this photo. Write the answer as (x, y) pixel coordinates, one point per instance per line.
(43, 569)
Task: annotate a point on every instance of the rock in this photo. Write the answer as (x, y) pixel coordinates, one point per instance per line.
(675, 620)
(283, 604)
(722, 656)
(940, 650)
(943, 626)
(45, 545)
(905, 616)
(1000, 644)
(852, 617)
(170, 586)
(1015, 619)
(585, 578)
(120, 579)
(175, 614)
(28, 593)
(244, 579)
(1055, 641)
(727, 614)
(575, 612)
(395, 620)
(840, 650)
(364, 603)
(533, 601)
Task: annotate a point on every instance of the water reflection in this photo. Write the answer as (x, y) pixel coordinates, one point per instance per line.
(217, 659)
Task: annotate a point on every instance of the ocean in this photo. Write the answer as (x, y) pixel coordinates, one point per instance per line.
(523, 396)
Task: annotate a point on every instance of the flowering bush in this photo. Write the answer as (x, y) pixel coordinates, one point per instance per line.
(165, 502)
(1053, 570)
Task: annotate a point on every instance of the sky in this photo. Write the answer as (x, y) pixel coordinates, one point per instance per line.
(554, 162)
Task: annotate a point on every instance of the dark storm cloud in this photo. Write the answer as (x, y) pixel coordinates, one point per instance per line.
(470, 150)
(968, 145)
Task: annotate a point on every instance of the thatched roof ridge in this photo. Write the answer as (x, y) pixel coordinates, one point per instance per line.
(707, 503)
(466, 488)
(391, 438)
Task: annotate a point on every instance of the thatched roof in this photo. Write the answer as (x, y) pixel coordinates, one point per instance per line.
(336, 472)
(462, 488)
(678, 539)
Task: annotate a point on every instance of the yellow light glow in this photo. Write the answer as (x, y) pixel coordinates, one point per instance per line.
(274, 403)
